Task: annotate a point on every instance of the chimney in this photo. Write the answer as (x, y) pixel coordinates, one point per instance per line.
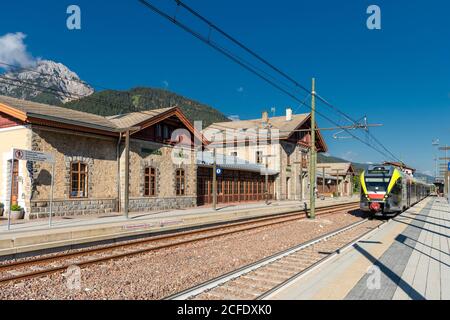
(288, 114)
(265, 117)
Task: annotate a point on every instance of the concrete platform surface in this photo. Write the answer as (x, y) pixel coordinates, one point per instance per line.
(408, 258)
(27, 236)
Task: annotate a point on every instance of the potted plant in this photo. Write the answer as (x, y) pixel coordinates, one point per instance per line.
(16, 212)
(2, 209)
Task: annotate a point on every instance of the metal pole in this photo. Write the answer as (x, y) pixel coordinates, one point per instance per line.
(127, 174)
(312, 160)
(447, 176)
(323, 179)
(267, 181)
(337, 183)
(11, 192)
(302, 156)
(214, 180)
(51, 195)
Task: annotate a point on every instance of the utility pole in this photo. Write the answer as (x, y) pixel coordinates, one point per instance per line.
(337, 182)
(214, 187)
(312, 158)
(447, 173)
(323, 176)
(127, 174)
(266, 186)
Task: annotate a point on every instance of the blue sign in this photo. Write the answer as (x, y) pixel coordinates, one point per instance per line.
(218, 171)
(448, 166)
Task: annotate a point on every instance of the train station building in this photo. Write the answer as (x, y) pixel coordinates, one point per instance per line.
(280, 143)
(169, 165)
(335, 179)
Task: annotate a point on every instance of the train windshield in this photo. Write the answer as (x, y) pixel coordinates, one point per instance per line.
(377, 184)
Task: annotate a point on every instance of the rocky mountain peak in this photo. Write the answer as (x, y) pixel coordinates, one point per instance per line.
(62, 83)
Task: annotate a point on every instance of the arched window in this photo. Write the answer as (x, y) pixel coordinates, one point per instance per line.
(180, 182)
(150, 182)
(78, 178)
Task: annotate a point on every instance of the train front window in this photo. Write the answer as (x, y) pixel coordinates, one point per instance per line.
(377, 184)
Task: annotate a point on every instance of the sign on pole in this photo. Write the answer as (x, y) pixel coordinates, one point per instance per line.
(35, 156)
(448, 169)
(20, 154)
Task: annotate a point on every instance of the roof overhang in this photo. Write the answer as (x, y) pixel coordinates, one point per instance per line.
(319, 138)
(176, 111)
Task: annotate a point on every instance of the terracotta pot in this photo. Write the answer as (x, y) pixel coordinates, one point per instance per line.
(17, 215)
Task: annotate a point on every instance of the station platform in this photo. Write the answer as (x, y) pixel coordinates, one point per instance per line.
(36, 235)
(408, 258)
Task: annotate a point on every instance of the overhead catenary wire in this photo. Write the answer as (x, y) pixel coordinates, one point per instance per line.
(233, 57)
(276, 69)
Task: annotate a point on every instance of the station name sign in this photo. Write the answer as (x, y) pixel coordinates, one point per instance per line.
(27, 155)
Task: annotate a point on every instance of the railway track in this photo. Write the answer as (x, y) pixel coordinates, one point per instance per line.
(258, 280)
(45, 265)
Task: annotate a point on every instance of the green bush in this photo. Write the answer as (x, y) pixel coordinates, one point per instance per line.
(16, 207)
(1, 205)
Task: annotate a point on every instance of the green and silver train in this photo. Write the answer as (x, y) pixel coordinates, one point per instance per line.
(386, 190)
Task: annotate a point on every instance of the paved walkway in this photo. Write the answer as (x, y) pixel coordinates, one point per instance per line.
(408, 258)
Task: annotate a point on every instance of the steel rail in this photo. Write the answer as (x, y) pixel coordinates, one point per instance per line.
(208, 285)
(37, 273)
(177, 234)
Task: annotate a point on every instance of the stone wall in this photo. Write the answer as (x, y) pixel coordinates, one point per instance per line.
(293, 172)
(166, 160)
(145, 204)
(100, 156)
(72, 207)
(98, 153)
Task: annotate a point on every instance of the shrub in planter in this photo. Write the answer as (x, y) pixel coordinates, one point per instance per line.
(2, 208)
(16, 212)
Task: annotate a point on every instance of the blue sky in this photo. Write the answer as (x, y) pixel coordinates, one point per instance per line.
(398, 76)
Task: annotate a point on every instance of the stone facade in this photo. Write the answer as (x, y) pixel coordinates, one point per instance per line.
(166, 160)
(291, 173)
(41, 209)
(99, 154)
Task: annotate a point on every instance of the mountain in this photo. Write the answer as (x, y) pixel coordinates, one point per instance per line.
(48, 82)
(112, 102)
(53, 83)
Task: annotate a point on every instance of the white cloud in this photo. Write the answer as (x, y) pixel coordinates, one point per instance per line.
(234, 117)
(240, 89)
(14, 51)
(165, 83)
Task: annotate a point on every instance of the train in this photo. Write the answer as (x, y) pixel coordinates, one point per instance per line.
(387, 191)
